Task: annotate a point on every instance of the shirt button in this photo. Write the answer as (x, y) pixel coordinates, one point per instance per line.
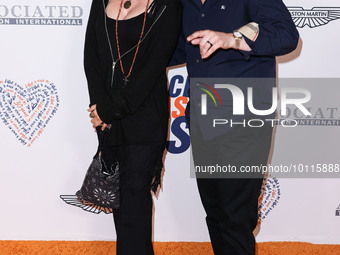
(197, 60)
(202, 15)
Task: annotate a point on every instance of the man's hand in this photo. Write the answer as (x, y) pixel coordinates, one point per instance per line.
(209, 41)
(95, 119)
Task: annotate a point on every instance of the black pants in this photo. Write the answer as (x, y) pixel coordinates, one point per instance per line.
(133, 220)
(231, 204)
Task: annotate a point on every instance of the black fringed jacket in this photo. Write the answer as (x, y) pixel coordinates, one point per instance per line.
(139, 111)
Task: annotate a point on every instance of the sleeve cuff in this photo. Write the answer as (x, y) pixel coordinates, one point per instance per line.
(251, 44)
(110, 108)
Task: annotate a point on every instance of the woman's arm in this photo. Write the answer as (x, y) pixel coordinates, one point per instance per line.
(92, 65)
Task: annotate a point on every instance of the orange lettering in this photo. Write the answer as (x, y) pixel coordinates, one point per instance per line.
(179, 105)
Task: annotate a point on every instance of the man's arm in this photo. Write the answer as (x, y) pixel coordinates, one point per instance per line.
(277, 34)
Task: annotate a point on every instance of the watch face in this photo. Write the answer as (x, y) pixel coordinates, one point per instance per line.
(237, 34)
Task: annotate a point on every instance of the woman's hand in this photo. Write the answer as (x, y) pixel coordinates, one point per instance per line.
(209, 41)
(95, 119)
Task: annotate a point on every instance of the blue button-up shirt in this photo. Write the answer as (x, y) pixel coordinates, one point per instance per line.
(277, 36)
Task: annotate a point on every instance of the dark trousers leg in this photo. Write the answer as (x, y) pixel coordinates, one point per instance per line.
(133, 220)
(231, 204)
(208, 191)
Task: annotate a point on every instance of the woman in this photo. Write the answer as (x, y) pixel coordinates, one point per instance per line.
(128, 46)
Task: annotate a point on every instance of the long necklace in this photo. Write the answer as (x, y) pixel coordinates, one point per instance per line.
(140, 39)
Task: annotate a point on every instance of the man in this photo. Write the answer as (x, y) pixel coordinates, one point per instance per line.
(233, 39)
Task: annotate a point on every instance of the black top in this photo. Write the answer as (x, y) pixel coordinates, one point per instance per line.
(138, 111)
(128, 33)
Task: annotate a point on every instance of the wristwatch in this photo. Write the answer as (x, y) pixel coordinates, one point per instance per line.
(238, 37)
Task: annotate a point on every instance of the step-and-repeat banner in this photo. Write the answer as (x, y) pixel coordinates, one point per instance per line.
(47, 141)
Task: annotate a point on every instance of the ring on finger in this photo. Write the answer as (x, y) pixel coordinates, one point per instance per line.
(210, 43)
(92, 115)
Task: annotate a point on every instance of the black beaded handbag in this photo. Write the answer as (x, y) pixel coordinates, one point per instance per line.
(100, 191)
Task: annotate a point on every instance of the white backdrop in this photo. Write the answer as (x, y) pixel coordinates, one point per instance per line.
(33, 177)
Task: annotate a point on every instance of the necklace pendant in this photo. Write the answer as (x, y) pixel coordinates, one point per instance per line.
(125, 80)
(127, 4)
